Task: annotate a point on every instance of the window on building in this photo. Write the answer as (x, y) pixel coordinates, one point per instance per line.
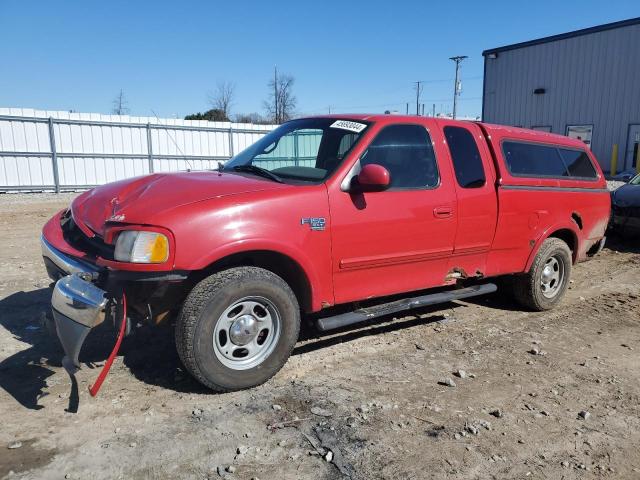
(407, 153)
(467, 161)
(536, 160)
(580, 132)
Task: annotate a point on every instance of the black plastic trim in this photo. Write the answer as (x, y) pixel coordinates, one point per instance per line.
(131, 276)
(563, 189)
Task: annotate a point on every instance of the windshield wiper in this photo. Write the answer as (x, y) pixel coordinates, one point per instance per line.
(263, 172)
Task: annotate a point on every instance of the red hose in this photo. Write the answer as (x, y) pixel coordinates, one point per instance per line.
(93, 390)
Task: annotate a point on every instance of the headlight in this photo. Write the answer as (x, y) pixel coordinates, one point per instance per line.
(141, 247)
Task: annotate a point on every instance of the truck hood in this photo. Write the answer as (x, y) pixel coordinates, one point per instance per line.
(141, 199)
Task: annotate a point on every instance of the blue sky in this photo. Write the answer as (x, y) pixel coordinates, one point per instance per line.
(353, 56)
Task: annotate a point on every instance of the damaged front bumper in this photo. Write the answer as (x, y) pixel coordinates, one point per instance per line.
(78, 304)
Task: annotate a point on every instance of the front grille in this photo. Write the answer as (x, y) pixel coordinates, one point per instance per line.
(94, 246)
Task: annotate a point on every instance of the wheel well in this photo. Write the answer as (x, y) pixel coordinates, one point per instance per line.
(283, 266)
(568, 237)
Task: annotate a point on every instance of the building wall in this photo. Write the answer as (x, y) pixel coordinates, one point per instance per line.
(589, 79)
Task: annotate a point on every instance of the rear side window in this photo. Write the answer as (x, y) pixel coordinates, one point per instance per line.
(407, 153)
(467, 162)
(578, 163)
(535, 160)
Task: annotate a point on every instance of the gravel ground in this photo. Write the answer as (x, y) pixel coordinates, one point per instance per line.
(473, 389)
(614, 185)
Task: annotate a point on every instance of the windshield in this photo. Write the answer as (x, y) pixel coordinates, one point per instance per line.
(307, 150)
(635, 180)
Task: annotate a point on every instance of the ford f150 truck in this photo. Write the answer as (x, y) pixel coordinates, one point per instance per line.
(333, 220)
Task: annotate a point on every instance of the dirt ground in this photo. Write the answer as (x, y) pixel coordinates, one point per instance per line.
(377, 402)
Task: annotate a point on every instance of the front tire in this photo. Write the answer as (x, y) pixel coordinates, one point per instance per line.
(545, 284)
(237, 328)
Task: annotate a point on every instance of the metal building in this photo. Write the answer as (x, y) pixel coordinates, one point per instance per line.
(585, 84)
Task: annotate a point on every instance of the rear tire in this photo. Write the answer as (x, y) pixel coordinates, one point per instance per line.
(237, 328)
(545, 284)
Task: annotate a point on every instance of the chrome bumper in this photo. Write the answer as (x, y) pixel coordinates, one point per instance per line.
(79, 300)
(63, 262)
(77, 304)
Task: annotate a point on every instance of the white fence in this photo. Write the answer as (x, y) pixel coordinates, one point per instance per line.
(54, 151)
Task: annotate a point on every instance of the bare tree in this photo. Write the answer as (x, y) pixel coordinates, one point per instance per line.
(222, 98)
(281, 103)
(120, 104)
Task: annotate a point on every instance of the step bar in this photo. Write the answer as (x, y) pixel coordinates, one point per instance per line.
(364, 314)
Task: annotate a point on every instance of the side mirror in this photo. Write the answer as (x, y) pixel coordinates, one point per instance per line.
(372, 178)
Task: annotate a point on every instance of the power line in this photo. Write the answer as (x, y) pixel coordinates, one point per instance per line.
(444, 80)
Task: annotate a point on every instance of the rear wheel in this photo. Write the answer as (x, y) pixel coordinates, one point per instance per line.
(237, 328)
(546, 282)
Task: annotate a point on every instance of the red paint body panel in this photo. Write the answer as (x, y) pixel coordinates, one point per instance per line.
(477, 210)
(373, 243)
(392, 241)
(53, 233)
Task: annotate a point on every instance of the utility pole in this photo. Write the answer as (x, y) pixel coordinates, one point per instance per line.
(275, 93)
(456, 88)
(418, 89)
(433, 110)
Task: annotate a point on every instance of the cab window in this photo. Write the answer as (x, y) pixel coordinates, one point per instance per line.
(406, 151)
(465, 155)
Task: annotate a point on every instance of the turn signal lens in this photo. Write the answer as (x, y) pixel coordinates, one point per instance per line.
(141, 247)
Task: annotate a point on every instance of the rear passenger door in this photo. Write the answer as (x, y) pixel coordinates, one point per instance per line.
(476, 193)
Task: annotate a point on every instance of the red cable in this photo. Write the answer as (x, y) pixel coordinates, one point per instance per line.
(107, 366)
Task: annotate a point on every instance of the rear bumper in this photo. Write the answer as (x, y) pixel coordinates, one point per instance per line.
(78, 305)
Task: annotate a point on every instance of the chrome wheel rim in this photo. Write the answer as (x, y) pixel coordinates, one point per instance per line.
(552, 277)
(246, 333)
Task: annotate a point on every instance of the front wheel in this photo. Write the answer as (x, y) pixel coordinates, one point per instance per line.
(544, 285)
(237, 328)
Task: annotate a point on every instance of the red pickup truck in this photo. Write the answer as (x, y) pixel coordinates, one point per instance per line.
(333, 220)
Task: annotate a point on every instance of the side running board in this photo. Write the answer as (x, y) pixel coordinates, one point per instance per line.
(363, 314)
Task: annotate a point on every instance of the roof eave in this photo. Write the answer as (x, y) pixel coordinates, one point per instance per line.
(564, 36)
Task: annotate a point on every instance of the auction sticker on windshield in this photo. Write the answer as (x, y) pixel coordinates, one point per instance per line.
(347, 125)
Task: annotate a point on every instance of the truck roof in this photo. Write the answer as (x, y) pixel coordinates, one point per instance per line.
(501, 131)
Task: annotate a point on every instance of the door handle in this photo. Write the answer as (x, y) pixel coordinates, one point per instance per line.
(443, 212)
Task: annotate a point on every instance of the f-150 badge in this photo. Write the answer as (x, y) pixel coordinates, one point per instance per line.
(316, 223)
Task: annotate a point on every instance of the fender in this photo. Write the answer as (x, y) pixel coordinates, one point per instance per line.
(566, 225)
(321, 285)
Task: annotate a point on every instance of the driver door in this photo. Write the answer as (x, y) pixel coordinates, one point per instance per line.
(400, 239)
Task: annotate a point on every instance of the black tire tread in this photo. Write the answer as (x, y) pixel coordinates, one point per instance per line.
(524, 286)
(198, 298)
